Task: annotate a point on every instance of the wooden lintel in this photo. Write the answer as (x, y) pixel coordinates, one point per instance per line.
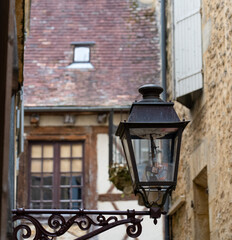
(55, 137)
(115, 197)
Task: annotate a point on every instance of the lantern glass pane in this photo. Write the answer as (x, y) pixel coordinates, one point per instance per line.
(128, 158)
(155, 155)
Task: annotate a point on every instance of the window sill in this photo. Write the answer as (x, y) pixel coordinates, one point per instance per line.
(80, 66)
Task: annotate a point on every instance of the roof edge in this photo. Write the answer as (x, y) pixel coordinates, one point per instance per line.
(75, 108)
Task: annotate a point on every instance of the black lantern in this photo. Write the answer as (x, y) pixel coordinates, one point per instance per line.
(151, 140)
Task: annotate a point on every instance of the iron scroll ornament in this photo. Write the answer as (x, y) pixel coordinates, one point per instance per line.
(60, 225)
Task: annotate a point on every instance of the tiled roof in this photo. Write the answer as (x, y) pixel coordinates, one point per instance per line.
(126, 53)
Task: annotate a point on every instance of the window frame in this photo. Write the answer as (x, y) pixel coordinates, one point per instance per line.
(56, 175)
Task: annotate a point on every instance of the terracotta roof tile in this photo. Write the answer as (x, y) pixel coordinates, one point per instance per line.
(126, 53)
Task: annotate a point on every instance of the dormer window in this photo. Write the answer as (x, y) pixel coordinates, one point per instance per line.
(81, 55)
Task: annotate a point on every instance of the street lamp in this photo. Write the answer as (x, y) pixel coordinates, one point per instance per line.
(151, 140)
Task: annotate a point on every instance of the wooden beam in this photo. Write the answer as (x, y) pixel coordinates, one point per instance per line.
(109, 197)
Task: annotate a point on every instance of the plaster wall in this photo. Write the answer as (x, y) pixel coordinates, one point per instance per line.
(149, 231)
(103, 183)
(207, 140)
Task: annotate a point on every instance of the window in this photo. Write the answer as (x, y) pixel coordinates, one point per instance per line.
(187, 50)
(81, 55)
(56, 175)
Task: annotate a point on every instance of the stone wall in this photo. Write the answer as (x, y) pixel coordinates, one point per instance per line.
(206, 155)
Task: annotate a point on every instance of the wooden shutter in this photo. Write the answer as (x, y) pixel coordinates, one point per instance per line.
(187, 46)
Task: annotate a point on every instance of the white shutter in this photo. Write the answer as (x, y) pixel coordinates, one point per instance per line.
(187, 46)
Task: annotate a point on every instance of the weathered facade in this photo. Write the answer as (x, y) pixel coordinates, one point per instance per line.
(202, 203)
(84, 61)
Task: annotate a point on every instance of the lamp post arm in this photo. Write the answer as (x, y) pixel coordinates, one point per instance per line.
(60, 221)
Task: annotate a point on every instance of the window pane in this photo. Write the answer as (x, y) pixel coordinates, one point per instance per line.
(76, 193)
(47, 194)
(65, 193)
(36, 151)
(35, 193)
(47, 205)
(65, 165)
(48, 151)
(36, 166)
(64, 205)
(77, 165)
(48, 165)
(76, 180)
(65, 151)
(81, 54)
(77, 150)
(47, 180)
(35, 180)
(35, 205)
(65, 180)
(76, 205)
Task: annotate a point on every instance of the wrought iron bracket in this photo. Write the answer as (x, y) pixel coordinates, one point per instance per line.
(60, 221)
(154, 204)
